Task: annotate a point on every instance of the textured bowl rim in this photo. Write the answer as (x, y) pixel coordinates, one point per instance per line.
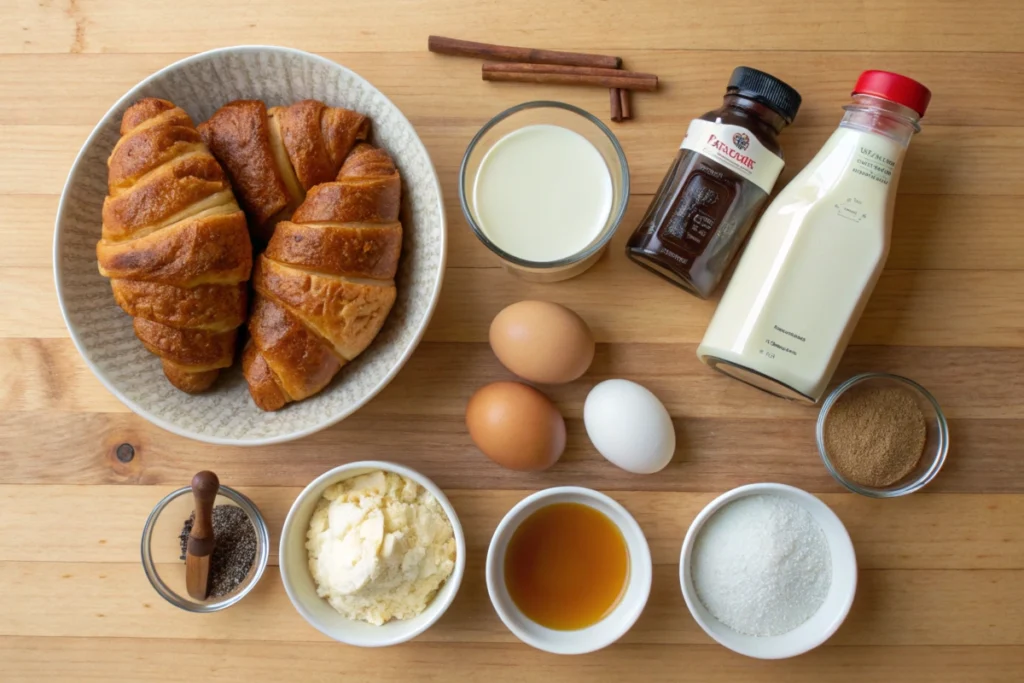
(435, 608)
(841, 539)
(291, 436)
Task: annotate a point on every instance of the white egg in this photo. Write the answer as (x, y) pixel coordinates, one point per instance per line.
(629, 426)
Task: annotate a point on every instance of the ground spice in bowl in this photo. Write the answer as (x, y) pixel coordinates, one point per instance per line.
(875, 435)
(234, 551)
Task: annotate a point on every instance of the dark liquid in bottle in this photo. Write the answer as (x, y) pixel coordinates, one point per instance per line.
(703, 210)
(690, 235)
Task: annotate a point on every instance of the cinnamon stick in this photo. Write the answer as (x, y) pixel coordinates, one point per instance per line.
(468, 48)
(570, 75)
(624, 105)
(615, 96)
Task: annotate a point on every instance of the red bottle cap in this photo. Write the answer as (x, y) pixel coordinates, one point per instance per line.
(895, 88)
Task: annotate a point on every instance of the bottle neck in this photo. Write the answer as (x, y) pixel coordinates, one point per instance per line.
(877, 115)
(755, 110)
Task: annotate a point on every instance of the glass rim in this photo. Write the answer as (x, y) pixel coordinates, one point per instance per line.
(938, 455)
(173, 597)
(569, 260)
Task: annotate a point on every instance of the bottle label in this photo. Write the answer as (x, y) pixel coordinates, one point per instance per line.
(737, 149)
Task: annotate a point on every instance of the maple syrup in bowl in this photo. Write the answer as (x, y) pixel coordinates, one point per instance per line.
(568, 570)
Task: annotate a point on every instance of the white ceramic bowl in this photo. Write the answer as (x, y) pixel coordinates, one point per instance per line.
(103, 333)
(823, 623)
(301, 589)
(604, 632)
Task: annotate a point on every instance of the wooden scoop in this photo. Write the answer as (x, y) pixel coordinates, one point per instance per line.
(200, 540)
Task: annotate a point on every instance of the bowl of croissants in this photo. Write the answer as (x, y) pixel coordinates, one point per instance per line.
(249, 245)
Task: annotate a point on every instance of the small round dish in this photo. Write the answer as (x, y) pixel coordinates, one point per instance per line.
(936, 443)
(161, 549)
(565, 116)
(611, 627)
(301, 589)
(823, 623)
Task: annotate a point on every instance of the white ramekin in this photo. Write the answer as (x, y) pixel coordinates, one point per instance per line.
(604, 632)
(301, 589)
(823, 623)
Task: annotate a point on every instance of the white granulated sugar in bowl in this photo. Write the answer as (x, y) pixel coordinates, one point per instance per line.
(761, 565)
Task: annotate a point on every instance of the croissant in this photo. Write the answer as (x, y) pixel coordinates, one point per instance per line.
(175, 244)
(274, 157)
(325, 283)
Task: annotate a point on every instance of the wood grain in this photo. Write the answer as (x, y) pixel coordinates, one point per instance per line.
(972, 85)
(931, 531)
(978, 383)
(121, 658)
(715, 455)
(104, 26)
(893, 607)
(908, 308)
(928, 233)
(39, 156)
(939, 595)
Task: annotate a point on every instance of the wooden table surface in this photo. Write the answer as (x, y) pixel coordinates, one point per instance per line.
(941, 593)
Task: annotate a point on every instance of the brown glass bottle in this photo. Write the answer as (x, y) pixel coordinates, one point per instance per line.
(718, 184)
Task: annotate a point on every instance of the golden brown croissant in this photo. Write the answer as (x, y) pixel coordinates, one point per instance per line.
(325, 284)
(274, 157)
(175, 244)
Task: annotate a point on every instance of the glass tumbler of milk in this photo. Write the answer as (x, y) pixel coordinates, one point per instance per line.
(544, 186)
(813, 260)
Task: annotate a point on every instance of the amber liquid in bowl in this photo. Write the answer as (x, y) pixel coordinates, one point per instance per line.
(566, 566)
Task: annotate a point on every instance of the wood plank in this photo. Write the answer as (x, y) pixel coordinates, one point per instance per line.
(81, 87)
(989, 165)
(43, 156)
(728, 434)
(48, 374)
(40, 156)
(713, 455)
(28, 660)
(953, 232)
(31, 308)
(105, 600)
(927, 531)
(939, 596)
(913, 25)
(928, 233)
(626, 304)
(26, 227)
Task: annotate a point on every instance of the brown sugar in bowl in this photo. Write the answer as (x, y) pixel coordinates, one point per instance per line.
(914, 476)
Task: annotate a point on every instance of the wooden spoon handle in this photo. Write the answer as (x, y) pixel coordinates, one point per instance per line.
(204, 488)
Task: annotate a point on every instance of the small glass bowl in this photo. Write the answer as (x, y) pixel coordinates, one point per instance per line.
(566, 116)
(936, 443)
(161, 549)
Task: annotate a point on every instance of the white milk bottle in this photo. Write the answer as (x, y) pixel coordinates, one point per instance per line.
(817, 251)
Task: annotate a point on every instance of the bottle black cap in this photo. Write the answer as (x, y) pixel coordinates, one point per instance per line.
(766, 89)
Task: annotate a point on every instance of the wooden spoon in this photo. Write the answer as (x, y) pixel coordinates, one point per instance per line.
(200, 540)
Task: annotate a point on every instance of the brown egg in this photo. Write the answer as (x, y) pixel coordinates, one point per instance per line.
(542, 342)
(516, 426)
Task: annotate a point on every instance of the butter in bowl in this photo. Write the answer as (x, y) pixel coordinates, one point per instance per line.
(372, 554)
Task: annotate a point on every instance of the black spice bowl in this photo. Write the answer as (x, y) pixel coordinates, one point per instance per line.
(161, 549)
